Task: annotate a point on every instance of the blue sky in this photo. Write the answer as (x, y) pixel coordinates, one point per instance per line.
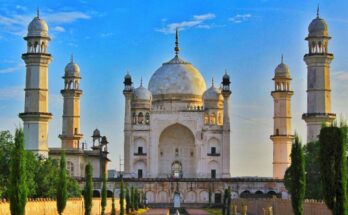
(107, 38)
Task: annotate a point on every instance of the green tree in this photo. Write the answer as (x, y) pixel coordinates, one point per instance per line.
(312, 166)
(333, 171)
(127, 200)
(298, 178)
(6, 148)
(229, 201)
(88, 191)
(62, 193)
(132, 205)
(17, 180)
(103, 195)
(113, 208)
(136, 199)
(224, 208)
(121, 198)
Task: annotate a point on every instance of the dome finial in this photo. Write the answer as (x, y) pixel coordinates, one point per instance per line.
(72, 58)
(282, 58)
(318, 10)
(212, 81)
(176, 49)
(141, 81)
(38, 12)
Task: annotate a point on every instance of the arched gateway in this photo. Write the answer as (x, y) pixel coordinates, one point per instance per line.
(177, 152)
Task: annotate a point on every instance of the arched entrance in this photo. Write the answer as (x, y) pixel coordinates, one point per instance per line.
(177, 155)
(177, 169)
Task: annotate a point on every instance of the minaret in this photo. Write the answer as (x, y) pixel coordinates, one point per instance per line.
(71, 93)
(128, 93)
(226, 93)
(318, 79)
(36, 116)
(282, 132)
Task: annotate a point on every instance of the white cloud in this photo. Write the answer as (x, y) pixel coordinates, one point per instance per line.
(198, 21)
(239, 18)
(340, 76)
(15, 68)
(65, 17)
(59, 29)
(17, 24)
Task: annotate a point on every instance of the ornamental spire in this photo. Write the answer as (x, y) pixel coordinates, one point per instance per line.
(318, 10)
(176, 49)
(141, 81)
(282, 58)
(212, 81)
(38, 12)
(72, 58)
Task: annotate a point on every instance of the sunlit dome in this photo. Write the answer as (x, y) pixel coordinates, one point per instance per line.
(282, 70)
(141, 93)
(37, 27)
(318, 27)
(213, 93)
(72, 69)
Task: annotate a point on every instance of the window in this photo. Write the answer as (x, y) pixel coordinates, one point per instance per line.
(140, 150)
(147, 118)
(140, 173)
(213, 173)
(213, 150)
(141, 118)
(70, 168)
(134, 118)
(176, 152)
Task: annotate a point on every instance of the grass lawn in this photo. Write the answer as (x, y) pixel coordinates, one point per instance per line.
(214, 211)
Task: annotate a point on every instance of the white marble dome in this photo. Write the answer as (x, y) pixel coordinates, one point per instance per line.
(213, 93)
(141, 93)
(177, 77)
(282, 71)
(37, 27)
(72, 70)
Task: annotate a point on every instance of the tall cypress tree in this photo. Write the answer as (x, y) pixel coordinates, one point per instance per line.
(136, 199)
(18, 190)
(88, 192)
(297, 177)
(103, 193)
(333, 142)
(113, 209)
(121, 198)
(127, 200)
(62, 190)
(132, 199)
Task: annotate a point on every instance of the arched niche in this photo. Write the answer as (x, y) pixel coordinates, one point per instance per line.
(176, 143)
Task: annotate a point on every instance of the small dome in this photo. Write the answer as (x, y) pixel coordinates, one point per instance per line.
(177, 77)
(72, 70)
(318, 27)
(96, 133)
(128, 79)
(38, 27)
(282, 71)
(141, 93)
(213, 93)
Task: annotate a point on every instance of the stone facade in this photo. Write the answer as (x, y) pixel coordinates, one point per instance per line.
(282, 132)
(177, 128)
(318, 60)
(36, 116)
